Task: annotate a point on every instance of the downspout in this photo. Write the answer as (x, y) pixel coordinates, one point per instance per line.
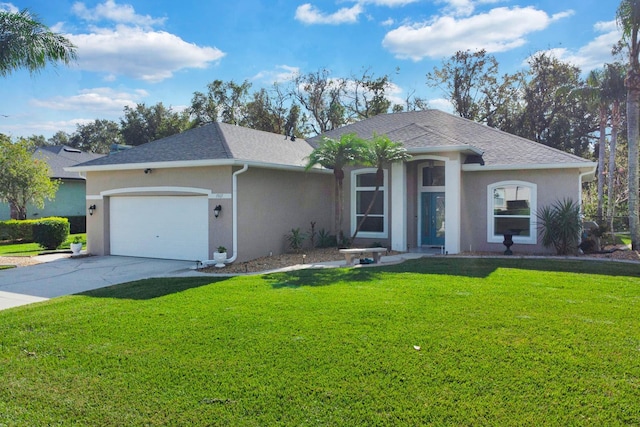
(234, 195)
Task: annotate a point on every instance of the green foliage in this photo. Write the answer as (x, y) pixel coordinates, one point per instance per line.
(326, 239)
(50, 233)
(295, 239)
(560, 226)
(96, 136)
(499, 342)
(15, 230)
(23, 179)
(26, 43)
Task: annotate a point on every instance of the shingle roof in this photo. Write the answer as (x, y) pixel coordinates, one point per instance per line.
(215, 141)
(59, 157)
(433, 128)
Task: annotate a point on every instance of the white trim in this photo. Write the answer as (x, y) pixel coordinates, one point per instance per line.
(167, 189)
(532, 239)
(385, 197)
(194, 163)
(398, 206)
(93, 198)
(588, 166)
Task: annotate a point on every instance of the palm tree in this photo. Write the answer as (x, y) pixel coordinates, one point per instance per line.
(615, 92)
(628, 18)
(381, 152)
(27, 43)
(596, 93)
(336, 154)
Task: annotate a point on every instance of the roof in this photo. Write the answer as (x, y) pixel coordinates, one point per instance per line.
(59, 157)
(221, 142)
(429, 130)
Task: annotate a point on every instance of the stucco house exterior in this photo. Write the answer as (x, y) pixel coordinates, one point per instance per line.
(464, 187)
(70, 200)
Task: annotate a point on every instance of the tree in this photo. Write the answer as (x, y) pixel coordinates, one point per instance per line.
(26, 43)
(368, 96)
(59, 138)
(380, 152)
(336, 154)
(628, 18)
(143, 124)
(223, 102)
(321, 96)
(96, 136)
(23, 179)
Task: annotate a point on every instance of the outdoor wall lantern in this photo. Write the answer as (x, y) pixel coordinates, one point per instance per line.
(216, 211)
(147, 170)
(91, 209)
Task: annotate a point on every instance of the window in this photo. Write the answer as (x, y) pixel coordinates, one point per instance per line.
(433, 174)
(512, 210)
(362, 193)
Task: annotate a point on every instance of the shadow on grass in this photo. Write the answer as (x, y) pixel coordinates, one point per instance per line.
(451, 266)
(152, 288)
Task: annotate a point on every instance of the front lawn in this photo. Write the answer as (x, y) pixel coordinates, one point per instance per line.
(32, 249)
(438, 341)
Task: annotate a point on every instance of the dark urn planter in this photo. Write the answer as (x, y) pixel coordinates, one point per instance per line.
(508, 240)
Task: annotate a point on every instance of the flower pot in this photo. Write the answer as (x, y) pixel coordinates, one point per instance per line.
(76, 248)
(219, 258)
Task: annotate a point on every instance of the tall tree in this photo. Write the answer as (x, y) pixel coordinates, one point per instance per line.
(367, 96)
(26, 43)
(59, 138)
(336, 154)
(96, 136)
(143, 124)
(321, 96)
(628, 18)
(23, 179)
(380, 152)
(223, 102)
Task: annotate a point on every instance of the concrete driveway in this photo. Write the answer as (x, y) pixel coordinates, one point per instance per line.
(25, 285)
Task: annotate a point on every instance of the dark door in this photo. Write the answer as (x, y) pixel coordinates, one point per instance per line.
(432, 219)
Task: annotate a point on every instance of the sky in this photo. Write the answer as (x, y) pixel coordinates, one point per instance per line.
(150, 51)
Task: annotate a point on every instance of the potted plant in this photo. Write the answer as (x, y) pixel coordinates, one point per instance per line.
(76, 245)
(220, 256)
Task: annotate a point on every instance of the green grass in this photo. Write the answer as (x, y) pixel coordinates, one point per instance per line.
(31, 249)
(502, 342)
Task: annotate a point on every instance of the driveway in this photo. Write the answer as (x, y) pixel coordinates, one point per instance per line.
(25, 285)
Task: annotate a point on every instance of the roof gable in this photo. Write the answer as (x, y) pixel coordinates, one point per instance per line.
(59, 157)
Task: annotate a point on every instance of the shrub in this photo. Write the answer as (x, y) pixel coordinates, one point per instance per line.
(295, 239)
(50, 233)
(17, 230)
(326, 240)
(560, 226)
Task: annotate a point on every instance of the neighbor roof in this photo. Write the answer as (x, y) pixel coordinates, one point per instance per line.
(214, 141)
(59, 157)
(421, 131)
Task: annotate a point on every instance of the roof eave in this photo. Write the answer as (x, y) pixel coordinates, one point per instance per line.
(469, 149)
(586, 169)
(191, 164)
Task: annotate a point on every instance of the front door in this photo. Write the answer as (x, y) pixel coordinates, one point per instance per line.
(432, 219)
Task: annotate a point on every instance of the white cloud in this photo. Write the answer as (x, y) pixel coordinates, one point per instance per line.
(121, 14)
(152, 56)
(389, 22)
(309, 14)
(595, 53)
(9, 7)
(388, 3)
(282, 73)
(498, 30)
(464, 7)
(441, 104)
(102, 99)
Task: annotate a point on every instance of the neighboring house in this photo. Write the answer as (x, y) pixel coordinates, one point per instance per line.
(465, 186)
(70, 200)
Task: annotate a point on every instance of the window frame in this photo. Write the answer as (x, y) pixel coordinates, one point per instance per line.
(532, 239)
(385, 200)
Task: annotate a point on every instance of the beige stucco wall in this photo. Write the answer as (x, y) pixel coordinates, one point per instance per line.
(272, 202)
(215, 179)
(552, 185)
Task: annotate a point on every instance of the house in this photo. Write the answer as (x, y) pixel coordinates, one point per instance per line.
(70, 197)
(465, 186)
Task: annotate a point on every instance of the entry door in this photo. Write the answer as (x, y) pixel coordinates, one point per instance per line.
(432, 219)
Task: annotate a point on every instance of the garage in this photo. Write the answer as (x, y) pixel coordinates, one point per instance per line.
(168, 227)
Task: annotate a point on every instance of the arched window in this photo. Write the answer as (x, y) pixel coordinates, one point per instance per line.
(512, 207)
(362, 191)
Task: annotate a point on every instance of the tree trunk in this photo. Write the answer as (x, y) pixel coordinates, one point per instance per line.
(339, 176)
(633, 99)
(366, 213)
(601, 155)
(615, 124)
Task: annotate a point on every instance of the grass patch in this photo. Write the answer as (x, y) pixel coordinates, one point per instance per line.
(32, 249)
(501, 342)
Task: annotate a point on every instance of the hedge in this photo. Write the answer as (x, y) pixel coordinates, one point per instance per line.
(51, 232)
(16, 230)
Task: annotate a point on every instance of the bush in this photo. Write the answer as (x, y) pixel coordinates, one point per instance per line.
(560, 226)
(16, 230)
(50, 233)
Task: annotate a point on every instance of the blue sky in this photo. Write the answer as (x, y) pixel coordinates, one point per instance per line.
(149, 51)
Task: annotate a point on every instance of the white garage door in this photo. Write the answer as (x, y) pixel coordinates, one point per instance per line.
(166, 227)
